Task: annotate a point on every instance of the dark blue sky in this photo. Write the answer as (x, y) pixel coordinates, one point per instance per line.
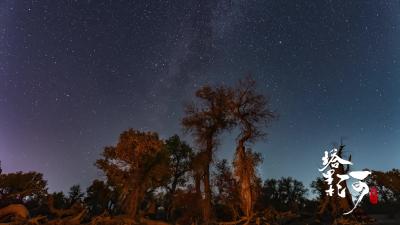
(75, 74)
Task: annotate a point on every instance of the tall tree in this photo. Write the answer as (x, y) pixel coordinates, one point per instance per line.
(180, 155)
(206, 119)
(137, 164)
(252, 114)
(75, 195)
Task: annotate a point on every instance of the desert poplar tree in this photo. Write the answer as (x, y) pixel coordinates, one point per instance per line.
(206, 119)
(252, 114)
(136, 165)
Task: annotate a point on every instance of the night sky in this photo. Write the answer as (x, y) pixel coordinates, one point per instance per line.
(75, 74)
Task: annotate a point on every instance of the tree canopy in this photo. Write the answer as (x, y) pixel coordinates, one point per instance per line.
(136, 164)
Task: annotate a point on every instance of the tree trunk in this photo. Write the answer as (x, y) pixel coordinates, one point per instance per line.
(244, 180)
(207, 193)
(133, 204)
(197, 185)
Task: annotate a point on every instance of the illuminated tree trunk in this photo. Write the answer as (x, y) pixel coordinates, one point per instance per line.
(243, 173)
(251, 113)
(135, 198)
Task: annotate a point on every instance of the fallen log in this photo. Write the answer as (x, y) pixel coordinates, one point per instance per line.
(18, 211)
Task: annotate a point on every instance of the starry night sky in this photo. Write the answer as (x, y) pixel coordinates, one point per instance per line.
(75, 74)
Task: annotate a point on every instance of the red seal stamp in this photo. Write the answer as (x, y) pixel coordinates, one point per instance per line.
(373, 195)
